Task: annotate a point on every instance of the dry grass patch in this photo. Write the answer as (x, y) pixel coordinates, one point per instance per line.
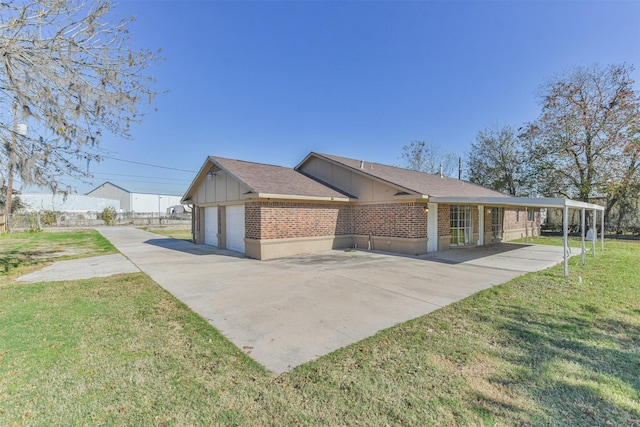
(176, 232)
(22, 253)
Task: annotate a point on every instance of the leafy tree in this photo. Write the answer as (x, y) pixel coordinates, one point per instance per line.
(585, 142)
(69, 73)
(16, 204)
(424, 157)
(499, 160)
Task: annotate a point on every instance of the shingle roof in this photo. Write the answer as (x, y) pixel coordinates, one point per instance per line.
(417, 182)
(270, 179)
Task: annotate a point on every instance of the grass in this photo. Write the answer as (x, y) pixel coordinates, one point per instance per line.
(574, 242)
(180, 233)
(21, 253)
(538, 350)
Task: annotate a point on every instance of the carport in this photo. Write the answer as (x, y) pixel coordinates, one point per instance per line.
(547, 203)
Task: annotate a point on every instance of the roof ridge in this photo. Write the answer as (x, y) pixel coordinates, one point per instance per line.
(248, 161)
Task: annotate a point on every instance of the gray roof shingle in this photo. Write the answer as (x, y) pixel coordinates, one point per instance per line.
(271, 179)
(417, 182)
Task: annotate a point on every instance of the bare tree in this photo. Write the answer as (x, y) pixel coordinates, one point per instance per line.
(70, 74)
(429, 158)
(585, 144)
(498, 160)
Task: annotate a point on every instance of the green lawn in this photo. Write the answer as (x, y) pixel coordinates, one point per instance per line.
(24, 252)
(539, 350)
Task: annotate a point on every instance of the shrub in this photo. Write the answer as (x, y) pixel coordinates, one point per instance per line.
(109, 215)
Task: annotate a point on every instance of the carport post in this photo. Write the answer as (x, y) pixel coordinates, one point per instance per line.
(594, 215)
(582, 225)
(602, 233)
(565, 234)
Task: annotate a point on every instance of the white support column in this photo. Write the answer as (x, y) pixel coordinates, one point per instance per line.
(565, 237)
(594, 220)
(481, 225)
(602, 234)
(582, 226)
(526, 228)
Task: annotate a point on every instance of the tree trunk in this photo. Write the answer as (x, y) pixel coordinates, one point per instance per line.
(10, 172)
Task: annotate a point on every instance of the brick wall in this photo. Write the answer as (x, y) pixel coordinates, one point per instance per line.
(444, 220)
(406, 220)
(488, 212)
(518, 223)
(281, 220)
(515, 221)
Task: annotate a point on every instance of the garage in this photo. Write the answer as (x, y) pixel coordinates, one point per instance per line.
(235, 228)
(211, 226)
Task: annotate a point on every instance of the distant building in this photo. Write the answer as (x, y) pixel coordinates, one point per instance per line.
(131, 202)
(69, 203)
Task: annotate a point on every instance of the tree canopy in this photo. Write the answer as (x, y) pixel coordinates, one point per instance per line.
(429, 158)
(498, 160)
(67, 71)
(584, 145)
(586, 142)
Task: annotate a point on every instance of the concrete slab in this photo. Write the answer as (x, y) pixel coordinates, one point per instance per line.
(286, 312)
(83, 268)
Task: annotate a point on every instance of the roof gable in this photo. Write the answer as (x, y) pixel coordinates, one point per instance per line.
(418, 183)
(267, 180)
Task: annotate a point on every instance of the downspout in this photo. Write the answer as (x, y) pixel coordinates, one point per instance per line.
(370, 247)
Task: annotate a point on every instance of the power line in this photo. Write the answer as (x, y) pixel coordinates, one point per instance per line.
(148, 164)
(140, 176)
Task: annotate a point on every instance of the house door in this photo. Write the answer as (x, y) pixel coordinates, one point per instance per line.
(211, 226)
(235, 228)
(460, 222)
(432, 228)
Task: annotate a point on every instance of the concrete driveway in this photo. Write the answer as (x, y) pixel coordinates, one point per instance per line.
(289, 311)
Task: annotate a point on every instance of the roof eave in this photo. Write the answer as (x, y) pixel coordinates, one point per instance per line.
(531, 202)
(412, 197)
(253, 195)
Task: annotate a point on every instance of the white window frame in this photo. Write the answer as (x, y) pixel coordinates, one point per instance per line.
(497, 215)
(461, 225)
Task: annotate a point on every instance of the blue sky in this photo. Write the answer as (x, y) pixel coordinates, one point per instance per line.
(270, 81)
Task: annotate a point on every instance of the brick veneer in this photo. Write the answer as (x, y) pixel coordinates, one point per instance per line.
(444, 220)
(281, 220)
(510, 222)
(487, 218)
(407, 220)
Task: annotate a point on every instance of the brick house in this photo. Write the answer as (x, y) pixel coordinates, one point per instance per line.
(327, 201)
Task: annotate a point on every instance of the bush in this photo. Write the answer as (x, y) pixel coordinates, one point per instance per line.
(109, 215)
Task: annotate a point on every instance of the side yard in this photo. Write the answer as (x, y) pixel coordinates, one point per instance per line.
(537, 350)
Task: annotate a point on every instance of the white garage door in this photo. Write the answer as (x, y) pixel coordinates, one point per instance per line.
(211, 226)
(235, 228)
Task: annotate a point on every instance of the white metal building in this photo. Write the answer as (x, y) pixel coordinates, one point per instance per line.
(131, 202)
(70, 203)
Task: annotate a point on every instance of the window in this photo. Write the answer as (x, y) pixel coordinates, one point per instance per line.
(460, 223)
(530, 215)
(496, 223)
